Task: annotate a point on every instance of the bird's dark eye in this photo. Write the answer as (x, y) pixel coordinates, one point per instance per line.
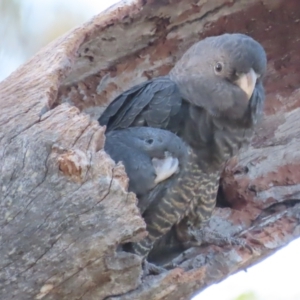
(218, 67)
(149, 141)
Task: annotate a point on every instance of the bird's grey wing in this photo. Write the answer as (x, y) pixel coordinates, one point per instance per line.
(154, 103)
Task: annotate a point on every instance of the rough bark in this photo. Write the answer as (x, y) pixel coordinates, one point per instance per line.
(64, 207)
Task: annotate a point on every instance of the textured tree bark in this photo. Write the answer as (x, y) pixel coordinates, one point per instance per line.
(64, 206)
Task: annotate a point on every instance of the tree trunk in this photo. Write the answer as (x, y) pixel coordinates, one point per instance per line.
(64, 205)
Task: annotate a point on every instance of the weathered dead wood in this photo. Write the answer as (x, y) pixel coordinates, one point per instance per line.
(64, 207)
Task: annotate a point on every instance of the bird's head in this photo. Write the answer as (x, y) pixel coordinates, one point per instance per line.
(223, 74)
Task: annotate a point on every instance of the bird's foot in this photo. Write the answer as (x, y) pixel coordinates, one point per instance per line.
(152, 269)
(164, 168)
(208, 236)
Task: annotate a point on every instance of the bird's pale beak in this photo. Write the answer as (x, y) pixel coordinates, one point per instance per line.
(247, 81)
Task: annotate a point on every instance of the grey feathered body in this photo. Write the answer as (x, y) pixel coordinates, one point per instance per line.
(192, 196)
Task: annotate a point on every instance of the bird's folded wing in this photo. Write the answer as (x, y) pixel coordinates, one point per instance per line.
(152, 103)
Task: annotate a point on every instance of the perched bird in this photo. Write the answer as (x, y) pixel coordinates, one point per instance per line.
(211, 99)
(150, 157)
